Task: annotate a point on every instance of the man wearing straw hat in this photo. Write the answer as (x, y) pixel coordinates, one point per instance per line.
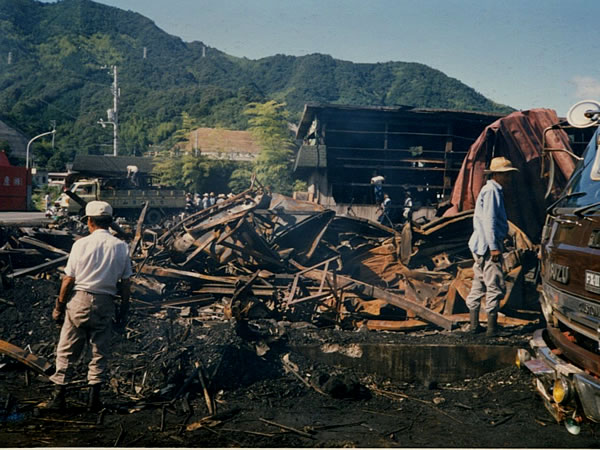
(490, 227)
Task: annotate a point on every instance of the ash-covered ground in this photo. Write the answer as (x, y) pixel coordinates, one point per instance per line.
(280, 399)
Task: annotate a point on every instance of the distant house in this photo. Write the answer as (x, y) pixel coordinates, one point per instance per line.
(415, 149)
(39, 177)
(16, 140)
(57, 178)
(217, 143)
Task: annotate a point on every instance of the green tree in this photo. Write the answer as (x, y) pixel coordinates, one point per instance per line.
(188, 123)
(268, 123)
(194, 171)
(240, 178)
(168, 169)
(133, 136)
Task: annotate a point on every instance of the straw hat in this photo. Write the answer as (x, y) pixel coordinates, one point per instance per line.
(500, 164)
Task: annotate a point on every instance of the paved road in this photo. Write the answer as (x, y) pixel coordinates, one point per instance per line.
(21, 218)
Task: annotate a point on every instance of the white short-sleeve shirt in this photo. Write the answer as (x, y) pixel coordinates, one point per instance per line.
(98, 262)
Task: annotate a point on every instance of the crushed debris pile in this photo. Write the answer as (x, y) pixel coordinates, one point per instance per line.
(259, 257)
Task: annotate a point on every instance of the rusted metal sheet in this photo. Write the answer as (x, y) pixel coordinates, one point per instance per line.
(520, 138)
(388, 296)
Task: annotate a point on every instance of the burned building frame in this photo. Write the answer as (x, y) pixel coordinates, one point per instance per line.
(415, 149)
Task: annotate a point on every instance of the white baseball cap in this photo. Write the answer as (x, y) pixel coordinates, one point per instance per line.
(98, 209)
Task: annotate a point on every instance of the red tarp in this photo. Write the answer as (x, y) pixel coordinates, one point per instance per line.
(517, 137)
(13, 186)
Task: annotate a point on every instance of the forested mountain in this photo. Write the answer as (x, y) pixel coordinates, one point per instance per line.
(55, 61)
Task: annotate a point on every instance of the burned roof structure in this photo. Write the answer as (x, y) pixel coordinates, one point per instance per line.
(413, 148)
(109, 166)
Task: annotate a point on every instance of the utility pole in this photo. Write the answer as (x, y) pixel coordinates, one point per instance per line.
(115, 89)
(113, 113)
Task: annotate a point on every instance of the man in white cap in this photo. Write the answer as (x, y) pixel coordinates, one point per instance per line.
(490, 227)
(95, 266)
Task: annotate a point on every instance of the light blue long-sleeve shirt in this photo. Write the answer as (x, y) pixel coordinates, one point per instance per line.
(490, 225)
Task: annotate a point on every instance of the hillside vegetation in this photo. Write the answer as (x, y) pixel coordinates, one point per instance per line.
(61, 54)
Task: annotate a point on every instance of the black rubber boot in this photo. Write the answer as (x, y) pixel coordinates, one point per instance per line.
(474, 319)
(94, 403)
(58, 401)
(492, 322)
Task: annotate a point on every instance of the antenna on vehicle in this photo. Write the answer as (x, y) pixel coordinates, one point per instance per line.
(584, 114)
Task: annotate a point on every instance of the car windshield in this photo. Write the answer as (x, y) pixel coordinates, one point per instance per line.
(585, 179)
(84, 189)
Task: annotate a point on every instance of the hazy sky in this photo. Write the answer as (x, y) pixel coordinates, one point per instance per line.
(522, 53)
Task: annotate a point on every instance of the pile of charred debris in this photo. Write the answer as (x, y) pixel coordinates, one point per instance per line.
(258, 258)
(250, 272)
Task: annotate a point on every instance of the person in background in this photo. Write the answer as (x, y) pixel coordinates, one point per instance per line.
(490, 227)
(132, 175)
(47, 202)
(220, 198)
(377, 182)
(211, 199)
(95, 266)
(386, 211)
(189, 203)
(407, 207)
(205, 201)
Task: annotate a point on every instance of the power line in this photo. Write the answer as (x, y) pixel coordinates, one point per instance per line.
(55, 107)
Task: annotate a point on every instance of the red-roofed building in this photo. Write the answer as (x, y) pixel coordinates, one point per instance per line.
(218, 143)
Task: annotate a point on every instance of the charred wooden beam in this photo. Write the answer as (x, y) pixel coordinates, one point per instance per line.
(35, 363)
(179, 274)
(138, 229)
(39, 268)
(39, 244)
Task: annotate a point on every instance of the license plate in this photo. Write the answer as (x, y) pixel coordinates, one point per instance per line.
(592, 281)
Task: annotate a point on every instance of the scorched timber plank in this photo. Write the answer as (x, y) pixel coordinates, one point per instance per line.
(36, 363)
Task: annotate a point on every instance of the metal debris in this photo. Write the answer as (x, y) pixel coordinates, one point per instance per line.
(258, 256)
